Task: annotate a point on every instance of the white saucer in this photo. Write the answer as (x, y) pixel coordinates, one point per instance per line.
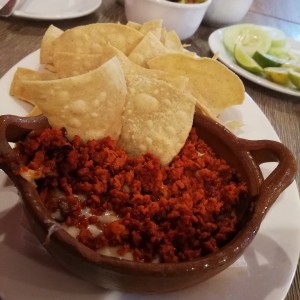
(55, 9)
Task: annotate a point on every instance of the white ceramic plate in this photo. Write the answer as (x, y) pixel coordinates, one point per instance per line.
(55, 9)
(266, 272)
(216, 45)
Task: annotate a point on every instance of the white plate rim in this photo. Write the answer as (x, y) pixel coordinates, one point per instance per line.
(216, 46)
(279, 244)
(90, 6)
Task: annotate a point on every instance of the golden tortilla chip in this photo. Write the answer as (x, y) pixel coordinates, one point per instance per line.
(17, 89)
(163, 35)
(130, 68)
(208, 79)
(89, 105)
(233, 125)
(134, 25)
(46, 52)
(93, 38)
(172, 41)
(34, 112)
(68, 64)
(153, 26)
(149, 47)
(28, 74)
(50, 67)
(71, 64)
(157, 118)
(216, 56)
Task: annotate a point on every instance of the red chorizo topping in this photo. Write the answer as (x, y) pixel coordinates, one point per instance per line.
(168, 214)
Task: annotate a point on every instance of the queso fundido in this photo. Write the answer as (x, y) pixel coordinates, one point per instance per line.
(121, 169)
(134, 208)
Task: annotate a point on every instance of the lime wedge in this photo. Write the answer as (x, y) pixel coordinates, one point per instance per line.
(278, 43)
(278, 75)
(278, 37)
(295, 78)
(248, 36)
(293, 65)
(280, 52)
(246, 61)
(295, 54)
(267, 60)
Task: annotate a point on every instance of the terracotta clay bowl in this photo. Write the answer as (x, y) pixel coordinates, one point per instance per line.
(113, 273)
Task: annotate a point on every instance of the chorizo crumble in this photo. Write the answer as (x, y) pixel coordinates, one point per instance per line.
(167, 214)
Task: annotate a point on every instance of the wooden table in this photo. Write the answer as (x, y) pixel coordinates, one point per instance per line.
(19, 37)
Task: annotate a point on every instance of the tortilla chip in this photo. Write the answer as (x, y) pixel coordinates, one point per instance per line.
(157, 118)
(172, 41)
(149, 47)
(17, 89)
(134, 25)
(163, 35)
(216, 55)
(233, 125)
(90, 105)
(153, 26)
(72, 64)
(130, 68)
(50, 67)
(28, 74)
(208, 79)
(46, 52)
(34, 112)
(93, 38)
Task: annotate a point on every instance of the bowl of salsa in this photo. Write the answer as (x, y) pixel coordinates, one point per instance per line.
(183, 17)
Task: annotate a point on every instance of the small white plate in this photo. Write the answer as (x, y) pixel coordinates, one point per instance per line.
(216, 45)
(265, 273)
(55, 9)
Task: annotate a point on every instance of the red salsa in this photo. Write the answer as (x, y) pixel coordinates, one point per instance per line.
(108, 200)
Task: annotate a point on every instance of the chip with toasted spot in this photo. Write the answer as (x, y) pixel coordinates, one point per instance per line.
(157, 118)
(89, 105)
(93, 38)
(208, 79)
(46, 51)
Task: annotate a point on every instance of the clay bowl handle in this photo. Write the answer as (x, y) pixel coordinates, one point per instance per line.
(13, 129)
(280, 178)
